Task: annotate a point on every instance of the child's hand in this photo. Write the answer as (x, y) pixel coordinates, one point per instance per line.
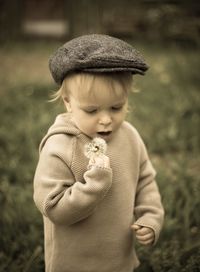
(100, 161)
(144, 235)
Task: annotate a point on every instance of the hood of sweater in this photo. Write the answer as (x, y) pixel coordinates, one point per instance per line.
(63, 125)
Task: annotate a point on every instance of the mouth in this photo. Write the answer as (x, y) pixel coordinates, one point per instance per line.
(104, 133)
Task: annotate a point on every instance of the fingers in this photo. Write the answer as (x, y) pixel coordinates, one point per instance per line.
(143, 231)
(145, 239)
(146, 242)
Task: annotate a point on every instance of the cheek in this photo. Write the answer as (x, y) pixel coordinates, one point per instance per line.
(120, 117)
(86, 122)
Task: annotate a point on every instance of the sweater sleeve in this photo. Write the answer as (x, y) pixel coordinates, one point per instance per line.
(149, 211)
(63, 199)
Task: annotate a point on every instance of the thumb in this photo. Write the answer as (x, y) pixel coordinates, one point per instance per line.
(135, 227)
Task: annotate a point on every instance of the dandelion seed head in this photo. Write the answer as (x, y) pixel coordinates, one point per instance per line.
(95, 148)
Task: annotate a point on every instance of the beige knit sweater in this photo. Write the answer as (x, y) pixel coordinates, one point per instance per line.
(88, 212)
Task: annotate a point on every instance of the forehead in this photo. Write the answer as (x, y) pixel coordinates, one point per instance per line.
(100, 89)
(103, 99)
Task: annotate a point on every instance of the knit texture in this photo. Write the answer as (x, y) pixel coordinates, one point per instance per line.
(95, 53)
(88, 212)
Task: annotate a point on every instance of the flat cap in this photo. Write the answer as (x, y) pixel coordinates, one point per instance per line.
(95, 53)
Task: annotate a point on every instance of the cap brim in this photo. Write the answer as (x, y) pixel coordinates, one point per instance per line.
(114, 69)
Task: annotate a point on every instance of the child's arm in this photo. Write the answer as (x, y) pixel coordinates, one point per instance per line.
(149, 211)
(64, 200)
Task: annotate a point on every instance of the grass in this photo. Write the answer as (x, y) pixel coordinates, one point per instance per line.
(164, 108)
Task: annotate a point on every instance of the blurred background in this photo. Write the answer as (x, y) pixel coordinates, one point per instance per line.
(165, 108)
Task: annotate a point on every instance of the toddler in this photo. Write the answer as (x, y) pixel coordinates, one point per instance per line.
(94, 182)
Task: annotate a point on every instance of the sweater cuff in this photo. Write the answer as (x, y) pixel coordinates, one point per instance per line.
(99, 167)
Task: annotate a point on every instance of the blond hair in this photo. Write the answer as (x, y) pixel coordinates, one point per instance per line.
(83, 83)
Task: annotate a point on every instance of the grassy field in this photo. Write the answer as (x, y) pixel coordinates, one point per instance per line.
(165, 108)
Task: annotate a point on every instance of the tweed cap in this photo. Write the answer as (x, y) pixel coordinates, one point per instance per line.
(95, 53)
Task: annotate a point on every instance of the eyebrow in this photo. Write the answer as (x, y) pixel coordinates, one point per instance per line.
(93, 106)
(88, 106)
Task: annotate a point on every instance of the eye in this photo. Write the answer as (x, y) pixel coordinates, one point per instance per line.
(90, 111)
(117, 108)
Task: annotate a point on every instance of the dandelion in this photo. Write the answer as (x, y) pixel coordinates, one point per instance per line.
(95, 148)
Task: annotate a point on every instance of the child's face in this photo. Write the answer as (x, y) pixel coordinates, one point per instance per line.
(100, 115)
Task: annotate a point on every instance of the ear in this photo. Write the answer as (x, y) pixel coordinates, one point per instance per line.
(67, 104)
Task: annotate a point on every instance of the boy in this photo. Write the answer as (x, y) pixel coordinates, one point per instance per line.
(93, 206)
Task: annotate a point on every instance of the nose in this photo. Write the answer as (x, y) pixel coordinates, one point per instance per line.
(105, 119)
